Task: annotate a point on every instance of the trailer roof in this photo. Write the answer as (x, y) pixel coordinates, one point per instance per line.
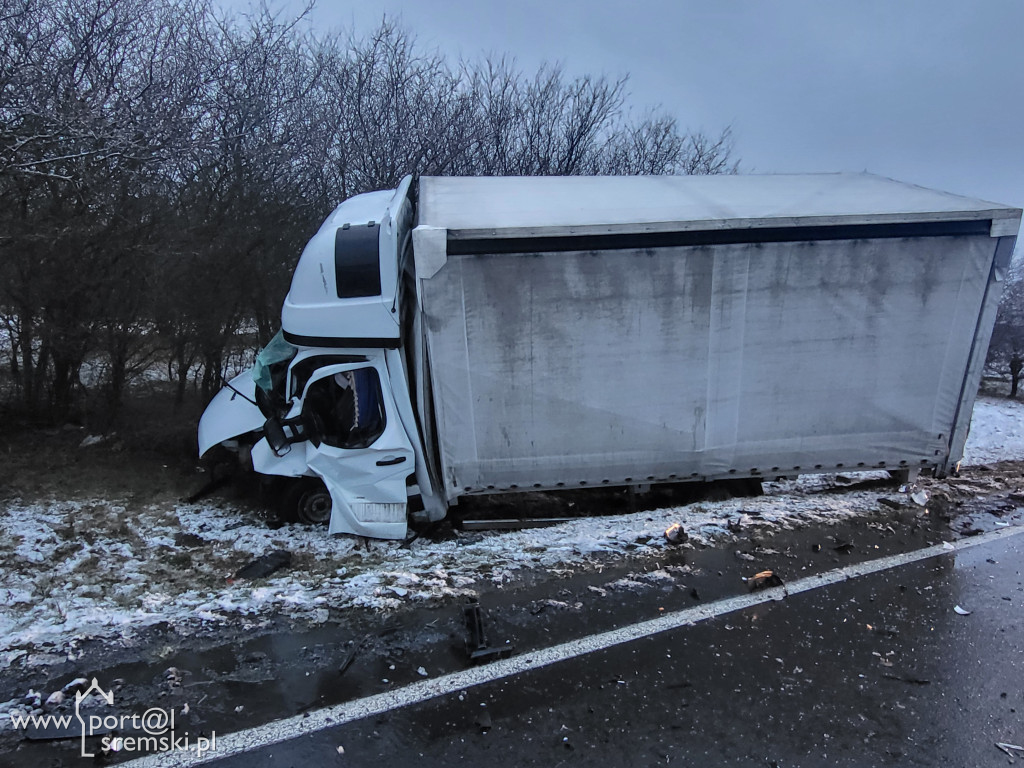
(520, 206)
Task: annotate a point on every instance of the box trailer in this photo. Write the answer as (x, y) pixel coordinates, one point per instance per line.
(469, 336)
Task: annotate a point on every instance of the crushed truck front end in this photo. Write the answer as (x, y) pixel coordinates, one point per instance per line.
(331, 393)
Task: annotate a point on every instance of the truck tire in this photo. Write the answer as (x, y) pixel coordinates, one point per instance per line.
(306, 501)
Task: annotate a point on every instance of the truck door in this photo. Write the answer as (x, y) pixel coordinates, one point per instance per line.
(357, 444)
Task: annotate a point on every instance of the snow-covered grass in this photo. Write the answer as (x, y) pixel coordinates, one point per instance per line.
(74, 570)
(71, 570)
(997, 432)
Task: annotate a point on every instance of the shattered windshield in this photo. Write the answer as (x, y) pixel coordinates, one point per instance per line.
(277, 351)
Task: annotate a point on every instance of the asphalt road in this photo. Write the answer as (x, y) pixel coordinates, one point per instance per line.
(877, 670)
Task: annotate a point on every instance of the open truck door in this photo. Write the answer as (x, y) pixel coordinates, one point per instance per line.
(358, 446)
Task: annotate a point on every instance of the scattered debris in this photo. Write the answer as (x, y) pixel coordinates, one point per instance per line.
(961, 611)
(763, 580)
(55, 699)
(173, 677)
(920, 498)
(1009, 748)
(559, 605)
(78, 684)
(675, 534)
(350, 656)
(341, 750)
(89, 440)
(907, 679)
(421, 671)
(265, 565)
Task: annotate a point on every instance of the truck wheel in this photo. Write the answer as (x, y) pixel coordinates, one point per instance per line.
(307, 501)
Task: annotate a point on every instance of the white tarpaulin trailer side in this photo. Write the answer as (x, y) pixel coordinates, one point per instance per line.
(619, 331)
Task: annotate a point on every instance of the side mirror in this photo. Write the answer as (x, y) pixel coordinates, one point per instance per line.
(276, 437)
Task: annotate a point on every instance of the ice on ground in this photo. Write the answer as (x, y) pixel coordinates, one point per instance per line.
(72, 570)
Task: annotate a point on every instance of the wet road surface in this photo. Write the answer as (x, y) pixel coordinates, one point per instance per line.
(875, 671)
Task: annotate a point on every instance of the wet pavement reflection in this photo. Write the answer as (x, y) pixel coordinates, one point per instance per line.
(876, 671)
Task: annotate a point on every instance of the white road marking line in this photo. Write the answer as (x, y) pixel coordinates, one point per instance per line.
(424, 690)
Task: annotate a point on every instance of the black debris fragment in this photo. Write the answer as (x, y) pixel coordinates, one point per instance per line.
(265, 565)
(353, 650)
(477, 647)
(484, 721)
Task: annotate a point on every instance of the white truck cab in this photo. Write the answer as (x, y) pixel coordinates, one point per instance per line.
(329, 396)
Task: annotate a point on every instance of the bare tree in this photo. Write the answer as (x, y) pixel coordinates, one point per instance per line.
(1006, 349)
(162, 163)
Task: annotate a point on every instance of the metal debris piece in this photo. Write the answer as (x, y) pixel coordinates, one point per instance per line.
(920, 498)
(1008, 747)
(961, 611)
(477, 647)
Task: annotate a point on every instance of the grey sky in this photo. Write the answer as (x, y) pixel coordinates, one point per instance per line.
(927, 92)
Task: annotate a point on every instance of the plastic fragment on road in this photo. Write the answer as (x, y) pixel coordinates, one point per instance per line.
(1009, 748)
(919, 497)
(763, 580)
(675, 534)
(961, 611)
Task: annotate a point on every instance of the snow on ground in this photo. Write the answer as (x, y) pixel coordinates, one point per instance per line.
(75, 570)
(72, 570)
(997, 431)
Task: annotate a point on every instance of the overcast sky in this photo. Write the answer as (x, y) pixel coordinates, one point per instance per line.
(928, 92)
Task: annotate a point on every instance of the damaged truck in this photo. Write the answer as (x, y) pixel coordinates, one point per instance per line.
(467, 336)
